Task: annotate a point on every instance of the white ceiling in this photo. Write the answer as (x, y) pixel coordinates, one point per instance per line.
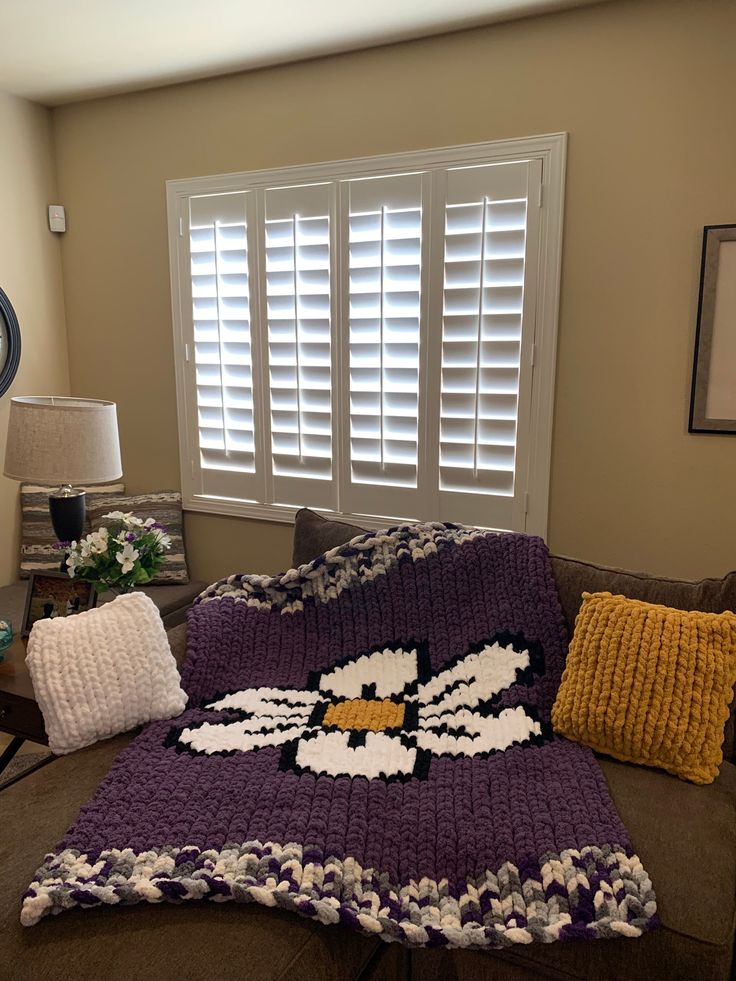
(56, 51)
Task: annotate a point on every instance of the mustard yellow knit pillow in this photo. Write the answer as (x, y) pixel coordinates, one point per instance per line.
(648, 684)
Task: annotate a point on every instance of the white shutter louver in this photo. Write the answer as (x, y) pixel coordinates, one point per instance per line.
(222, 350)
(482, 313)
(384, 289)
(299, 317)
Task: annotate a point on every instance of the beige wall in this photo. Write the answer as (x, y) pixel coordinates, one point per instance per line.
(30, 274)
(644, 90)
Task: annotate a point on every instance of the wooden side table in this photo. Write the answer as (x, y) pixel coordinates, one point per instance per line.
(20, 715)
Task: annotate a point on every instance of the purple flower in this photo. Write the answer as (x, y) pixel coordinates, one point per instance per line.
(62, 545)
(130, 537)
(157, 524)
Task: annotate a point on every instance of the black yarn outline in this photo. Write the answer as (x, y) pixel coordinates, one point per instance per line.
(287, 762)
(487, 708)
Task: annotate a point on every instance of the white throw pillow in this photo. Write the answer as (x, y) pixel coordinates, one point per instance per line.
(102, 672)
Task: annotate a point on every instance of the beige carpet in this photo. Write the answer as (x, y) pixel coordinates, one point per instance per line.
(27, 756)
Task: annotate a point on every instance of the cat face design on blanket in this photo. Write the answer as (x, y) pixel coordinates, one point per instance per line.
(382, 714)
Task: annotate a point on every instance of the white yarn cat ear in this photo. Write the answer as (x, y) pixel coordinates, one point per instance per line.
(243, 735)
(473, 679)
(390, 670)
(466, 733)
(273, 716)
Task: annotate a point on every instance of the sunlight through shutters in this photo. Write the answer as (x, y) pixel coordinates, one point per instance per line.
(299, 325)
(384, 287)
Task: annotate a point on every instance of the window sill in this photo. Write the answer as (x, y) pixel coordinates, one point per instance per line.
(285, 513)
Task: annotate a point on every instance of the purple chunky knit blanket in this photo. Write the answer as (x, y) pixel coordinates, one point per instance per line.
(368, 742)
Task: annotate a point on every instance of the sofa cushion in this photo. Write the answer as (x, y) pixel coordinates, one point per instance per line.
(657, 956)
(165, 507)
(37, 553)
(685, 836)
(573, 578)
(649, 684)
(178, 643)
(194, 942)
(314, 535)
(103, 672)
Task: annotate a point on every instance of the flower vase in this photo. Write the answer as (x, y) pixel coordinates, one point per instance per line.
(120, 589)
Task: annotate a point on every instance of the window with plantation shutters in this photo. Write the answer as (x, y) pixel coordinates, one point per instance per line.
(372, 338)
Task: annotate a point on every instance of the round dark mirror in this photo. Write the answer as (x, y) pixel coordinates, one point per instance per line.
(9, 343)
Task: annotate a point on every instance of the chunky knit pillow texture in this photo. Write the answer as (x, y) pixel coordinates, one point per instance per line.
(102, 672)
(649, 684)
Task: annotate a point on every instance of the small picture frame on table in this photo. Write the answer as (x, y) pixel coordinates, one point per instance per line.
(713, 394)
(54, 594)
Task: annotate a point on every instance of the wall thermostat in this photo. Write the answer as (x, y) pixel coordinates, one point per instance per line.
(57, 218)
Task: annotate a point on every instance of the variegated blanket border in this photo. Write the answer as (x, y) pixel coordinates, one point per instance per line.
(499, 909)
(364, 558)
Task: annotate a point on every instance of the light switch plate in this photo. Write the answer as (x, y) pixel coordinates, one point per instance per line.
(57, 218)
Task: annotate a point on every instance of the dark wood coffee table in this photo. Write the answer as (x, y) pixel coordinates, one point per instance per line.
(20, 715)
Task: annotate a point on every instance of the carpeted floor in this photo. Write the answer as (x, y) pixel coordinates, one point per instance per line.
(19, 764)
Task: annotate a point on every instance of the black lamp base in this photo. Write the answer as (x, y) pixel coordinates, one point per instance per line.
(67, 508)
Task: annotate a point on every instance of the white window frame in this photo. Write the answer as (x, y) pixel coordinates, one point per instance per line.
(541, 347)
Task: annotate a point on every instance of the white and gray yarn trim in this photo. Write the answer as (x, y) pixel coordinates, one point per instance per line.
(363, 558)
(514, 911)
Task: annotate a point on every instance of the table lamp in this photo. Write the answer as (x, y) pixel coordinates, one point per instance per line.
(64, 441)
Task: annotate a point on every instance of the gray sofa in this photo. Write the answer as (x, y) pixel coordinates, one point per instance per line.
(685, 835)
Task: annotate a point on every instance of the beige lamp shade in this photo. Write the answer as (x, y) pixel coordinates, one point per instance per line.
(53, 440)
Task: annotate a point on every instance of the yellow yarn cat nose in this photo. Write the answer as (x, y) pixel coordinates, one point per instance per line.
(366, 714)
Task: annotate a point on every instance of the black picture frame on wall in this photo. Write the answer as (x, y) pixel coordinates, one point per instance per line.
(713, 392)
(11, 328)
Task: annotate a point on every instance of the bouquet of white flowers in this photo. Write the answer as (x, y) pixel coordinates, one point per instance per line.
(124, 553)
